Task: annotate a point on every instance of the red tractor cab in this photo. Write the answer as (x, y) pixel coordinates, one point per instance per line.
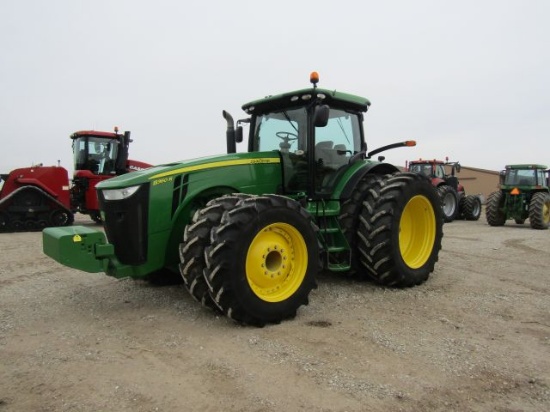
(98, 156)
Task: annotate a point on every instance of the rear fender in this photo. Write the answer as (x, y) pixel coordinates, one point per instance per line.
(345, 188)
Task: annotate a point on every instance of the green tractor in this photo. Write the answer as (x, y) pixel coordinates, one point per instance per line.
(250, 231)
(524, 193)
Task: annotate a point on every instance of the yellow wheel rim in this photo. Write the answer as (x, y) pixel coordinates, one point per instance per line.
(546, 212)
(417, 231)
(276, 262)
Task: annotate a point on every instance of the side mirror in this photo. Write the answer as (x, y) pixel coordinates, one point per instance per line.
(320, 116)
(458, 167)
(501, 176)
(239, 134)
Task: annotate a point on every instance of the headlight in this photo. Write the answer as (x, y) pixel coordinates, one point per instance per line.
(119, 194)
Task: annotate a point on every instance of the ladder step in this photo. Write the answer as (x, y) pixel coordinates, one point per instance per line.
(336, 249)
(339, 267)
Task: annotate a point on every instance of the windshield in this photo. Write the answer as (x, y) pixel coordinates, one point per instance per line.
(423, 168)
(284, 131)
(521, 177)
(96, 154)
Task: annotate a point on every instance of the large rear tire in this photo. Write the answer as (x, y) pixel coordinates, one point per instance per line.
(263, 260)
(539, 210)
(350, 210)
(196, 237)
(471, 207)
(400, 230)
(449, 202)
(493, 209)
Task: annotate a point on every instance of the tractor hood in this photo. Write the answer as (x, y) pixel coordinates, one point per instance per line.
(159, 174)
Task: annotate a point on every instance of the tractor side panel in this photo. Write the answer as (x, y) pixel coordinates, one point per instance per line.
(147, 229)
(51, 179)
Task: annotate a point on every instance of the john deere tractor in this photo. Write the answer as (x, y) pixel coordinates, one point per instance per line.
(249, 231)
(524, 194)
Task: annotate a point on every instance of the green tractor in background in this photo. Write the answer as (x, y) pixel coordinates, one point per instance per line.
(524, 193)
(250, 231)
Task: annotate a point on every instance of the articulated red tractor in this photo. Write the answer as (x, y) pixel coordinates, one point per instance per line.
(455, 203)
(36, 197)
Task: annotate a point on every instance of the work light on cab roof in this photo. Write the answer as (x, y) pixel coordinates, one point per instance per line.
(314, 78)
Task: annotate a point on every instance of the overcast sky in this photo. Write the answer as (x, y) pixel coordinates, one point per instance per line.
(466, 79)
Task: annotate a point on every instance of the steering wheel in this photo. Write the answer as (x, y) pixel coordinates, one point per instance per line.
(286, 136)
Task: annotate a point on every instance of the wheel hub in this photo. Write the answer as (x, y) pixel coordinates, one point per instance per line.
(271, 266)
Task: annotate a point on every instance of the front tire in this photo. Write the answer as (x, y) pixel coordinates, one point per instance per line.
(539, 210)
(196, 238)
(449, 202)
(263, 260)
(400, 231)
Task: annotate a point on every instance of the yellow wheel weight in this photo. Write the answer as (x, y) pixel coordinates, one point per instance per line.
(417, 231)
(276, 262)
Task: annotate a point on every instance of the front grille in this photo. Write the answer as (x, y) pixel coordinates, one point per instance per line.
(125, 223)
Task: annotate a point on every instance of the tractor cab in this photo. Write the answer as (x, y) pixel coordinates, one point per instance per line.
(101, 153)
(97, 156)
(310, 144)
(317, 133)
(525, 175)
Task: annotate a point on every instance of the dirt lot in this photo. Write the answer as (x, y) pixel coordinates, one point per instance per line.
(475, 337)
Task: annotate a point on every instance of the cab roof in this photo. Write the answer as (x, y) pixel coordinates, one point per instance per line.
(527, 166)
(303, 97)
(82, 133)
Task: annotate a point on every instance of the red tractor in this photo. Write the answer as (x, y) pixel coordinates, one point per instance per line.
(32, 198)
(455, 203)
(98, 156)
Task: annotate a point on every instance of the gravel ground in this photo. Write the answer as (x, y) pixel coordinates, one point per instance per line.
(475, 337)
